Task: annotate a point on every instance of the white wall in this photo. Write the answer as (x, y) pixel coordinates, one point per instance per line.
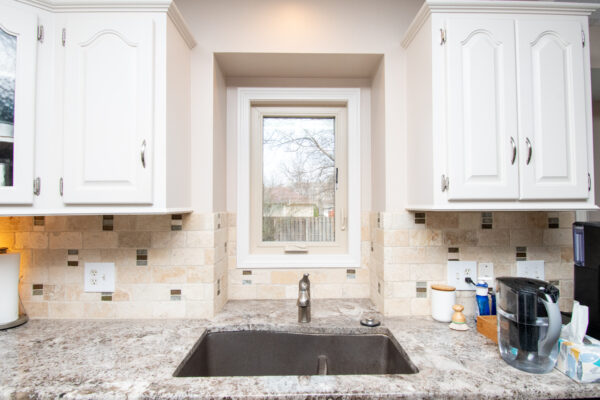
(294, 26)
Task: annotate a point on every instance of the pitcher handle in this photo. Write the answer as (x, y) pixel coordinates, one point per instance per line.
(547, 344)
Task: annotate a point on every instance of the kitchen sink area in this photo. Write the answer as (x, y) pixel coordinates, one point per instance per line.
(264, 352)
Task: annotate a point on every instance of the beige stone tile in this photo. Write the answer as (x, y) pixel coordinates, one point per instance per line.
(126, 275)
(65, 240)
(74, 293)
(67, 310)
(548, 254)
(398, 220)
(199, 309)
(152, 223)
(362, 275)
(84, 223)
(55, 223)
(459, 237)
(159, 257)
(16, 224)
(287, 277)
(396, 307)
(566, 254)
(200, 274)
(170, 239)
(411, 255)
(566, 288)
(56, 275)
(526, 237)
(35, 275)
(565, 304)
(150, 293)
(241, 292)
(420, 306)
(196, 291)
(425, 237)
(231, 219)
(100, 310)
(442, 220)
(209, 255)
(169, 274)
(89, 255)
(31, 240)
(198, 222)
(469, 220)
(124, 223)
(400, 289)
(120, 295)
(558, 237)
(188, 257)
(356, 291)
(337, 275)
(54, 292)
(232, 234)
(396, 272)
(36, 309)
(488, 254)
(134, 310)
(121, 257)
(560, 271)
(100, 240)
(270, 292)
(427, 272)
(49, 258)
(566, 219)
(7, 239)
(504, 270)
(135, 240)
(494, 237)
(326, 290)
(168, 309)
(520, 220)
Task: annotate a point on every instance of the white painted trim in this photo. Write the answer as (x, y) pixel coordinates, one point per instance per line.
(494, 7)
(245, 98)
(181, 25)
(503, 206)
(97, 210)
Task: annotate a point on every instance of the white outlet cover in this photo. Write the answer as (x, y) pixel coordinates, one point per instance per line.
(99, 277)
(458, 271)
(531, 269)
(485, 272)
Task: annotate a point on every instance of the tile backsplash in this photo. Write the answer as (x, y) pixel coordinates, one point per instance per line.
(184, 266)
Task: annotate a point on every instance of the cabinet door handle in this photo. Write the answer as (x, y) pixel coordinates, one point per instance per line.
(344, 220)
(514, 151)
(529, 150)
(143, 154)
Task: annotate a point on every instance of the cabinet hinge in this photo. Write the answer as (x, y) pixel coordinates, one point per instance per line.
(60, 186)
(442, 36)
(445, 183)
(37, 186)
(582, 38)
(40, 33)
(589, 182)
(64, 37)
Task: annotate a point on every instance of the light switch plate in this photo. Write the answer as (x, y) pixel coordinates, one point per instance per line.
(531, 269)
(99, 277)
(458, 271)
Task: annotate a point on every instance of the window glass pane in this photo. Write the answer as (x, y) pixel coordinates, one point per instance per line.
(299, 179)
(8, 70)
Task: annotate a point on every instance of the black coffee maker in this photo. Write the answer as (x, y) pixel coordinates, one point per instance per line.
(586, 257)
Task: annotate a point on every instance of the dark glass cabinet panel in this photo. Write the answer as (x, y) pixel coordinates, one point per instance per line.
(8, 69)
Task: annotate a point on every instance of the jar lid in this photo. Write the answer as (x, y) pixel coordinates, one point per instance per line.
(443, 288)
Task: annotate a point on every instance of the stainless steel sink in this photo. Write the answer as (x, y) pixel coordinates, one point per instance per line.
(263, 352)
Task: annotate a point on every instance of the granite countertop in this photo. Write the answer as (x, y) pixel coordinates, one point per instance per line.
(133, 359)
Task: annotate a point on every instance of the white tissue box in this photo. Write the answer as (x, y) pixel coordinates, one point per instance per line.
(580, 362)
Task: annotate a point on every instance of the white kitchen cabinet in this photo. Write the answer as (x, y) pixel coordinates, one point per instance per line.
(18, 58)
(488, 84)
(108, 109)
(114, 108)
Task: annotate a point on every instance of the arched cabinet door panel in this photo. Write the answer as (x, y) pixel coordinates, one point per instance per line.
(481, 104)
(552, 105)
(18, 61)
(108, 109)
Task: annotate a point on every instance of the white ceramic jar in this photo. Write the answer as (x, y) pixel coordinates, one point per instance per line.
(443, 297)
(9, 287)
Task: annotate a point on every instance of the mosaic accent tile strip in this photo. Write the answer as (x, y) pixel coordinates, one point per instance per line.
(553, 222)
(246, 272)
(141, 257)
(453, 254)
(108, 222)
(176, 222)
(379, 220)
(106, 296)
(379, 287)
(350, 274)
(219, 221)
(246, 281)
(487, 220)
(420, 218)
(37, 289)
(555, 283)
(421, 289)
(175, 294)
(3, 250)
(218, 287)
(39, 223)
(72, 258)
(521, 253)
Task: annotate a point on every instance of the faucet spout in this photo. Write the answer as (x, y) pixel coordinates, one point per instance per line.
(304, 299)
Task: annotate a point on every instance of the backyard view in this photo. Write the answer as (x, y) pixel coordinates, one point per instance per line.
(299, 179)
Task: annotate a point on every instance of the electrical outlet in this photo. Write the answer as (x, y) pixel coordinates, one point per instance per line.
(458, 271)
(99, 277)
(485, 272)
(531, 269)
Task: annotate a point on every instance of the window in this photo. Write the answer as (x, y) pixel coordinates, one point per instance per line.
(298, 178)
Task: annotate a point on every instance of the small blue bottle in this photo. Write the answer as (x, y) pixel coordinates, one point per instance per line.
(481, 295)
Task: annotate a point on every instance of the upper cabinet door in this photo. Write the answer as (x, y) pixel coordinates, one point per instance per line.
(481, 109)
(552, 110)
(18, 51)
(108, 109)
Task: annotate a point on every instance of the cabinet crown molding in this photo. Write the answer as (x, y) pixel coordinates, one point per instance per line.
(499, 7)
(166, 6)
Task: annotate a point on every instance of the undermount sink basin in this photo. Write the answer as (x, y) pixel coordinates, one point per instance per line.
(263, 352)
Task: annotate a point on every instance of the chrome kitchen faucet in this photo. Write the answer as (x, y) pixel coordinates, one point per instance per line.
(304, 299)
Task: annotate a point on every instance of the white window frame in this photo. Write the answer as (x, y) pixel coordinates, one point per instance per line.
(350, 97)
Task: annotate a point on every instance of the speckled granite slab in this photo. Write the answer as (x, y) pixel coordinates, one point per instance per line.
(136, 359)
